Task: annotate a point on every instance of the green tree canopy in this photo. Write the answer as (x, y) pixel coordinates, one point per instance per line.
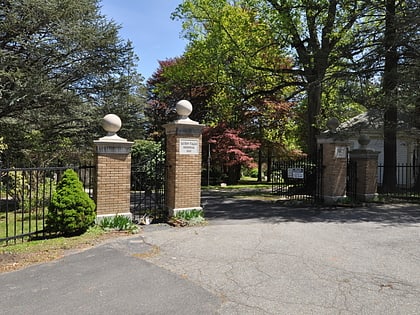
(61, 63)
(223, 74)
(315, 37)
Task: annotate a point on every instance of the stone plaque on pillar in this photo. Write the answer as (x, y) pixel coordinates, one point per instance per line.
(189, 146)
(183, 159)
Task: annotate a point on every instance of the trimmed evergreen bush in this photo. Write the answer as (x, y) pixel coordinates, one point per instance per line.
(71, 210)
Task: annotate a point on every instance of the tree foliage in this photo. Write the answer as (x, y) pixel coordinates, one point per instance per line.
(344, 55)
(222, 74)
(173, 81)
(228, 146)
(62, 62)
(147, 165)
(228, 150)
(230, 48)
(336, 52)
(316, 37)
(399, 57)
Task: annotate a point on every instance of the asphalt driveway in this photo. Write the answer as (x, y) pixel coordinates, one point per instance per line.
(260, 257)
(253, 257)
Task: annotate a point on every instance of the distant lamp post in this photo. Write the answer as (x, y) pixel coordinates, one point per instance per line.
(208, 165)
(209, 160)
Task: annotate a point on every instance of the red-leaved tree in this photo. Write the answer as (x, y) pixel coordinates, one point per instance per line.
(170, 83)
(228, 150)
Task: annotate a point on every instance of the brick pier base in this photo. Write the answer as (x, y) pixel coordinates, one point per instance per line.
(183, 161)
(113, 170)
(366, 170)
(334, 169)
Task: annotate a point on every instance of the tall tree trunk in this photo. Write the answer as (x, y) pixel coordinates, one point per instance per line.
(390, 82)
(313, 108)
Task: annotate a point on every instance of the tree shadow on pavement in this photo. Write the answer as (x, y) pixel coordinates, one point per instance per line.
(219, 207)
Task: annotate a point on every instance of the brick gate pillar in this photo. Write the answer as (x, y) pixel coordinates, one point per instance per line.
(183, 160)
(334, 164)
(366, 162)
(113, 171)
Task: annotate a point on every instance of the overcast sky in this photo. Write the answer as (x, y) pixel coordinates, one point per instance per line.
(148, 25)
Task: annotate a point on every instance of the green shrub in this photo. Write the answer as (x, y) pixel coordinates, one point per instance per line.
(71, 211)
(253, 172)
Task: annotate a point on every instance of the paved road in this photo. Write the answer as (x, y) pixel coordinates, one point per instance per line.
(252, 258)
(108, 279)
(262, 258)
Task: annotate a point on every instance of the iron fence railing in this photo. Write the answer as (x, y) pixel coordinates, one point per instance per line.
(148, 179)
(406, 184)
(297, 179)
(351, 184)
(25, 194)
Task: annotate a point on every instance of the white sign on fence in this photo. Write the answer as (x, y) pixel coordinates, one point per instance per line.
(188, 146)
(296, 172)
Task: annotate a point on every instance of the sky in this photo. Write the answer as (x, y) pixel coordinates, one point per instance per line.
(147, 24)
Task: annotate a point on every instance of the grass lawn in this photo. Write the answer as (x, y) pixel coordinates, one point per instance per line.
(244, 183)
(245, 189)
(17, 224)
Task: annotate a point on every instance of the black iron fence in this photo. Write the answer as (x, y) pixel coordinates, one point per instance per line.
(351, 184)
(302, 180)
(25, 194)
(406, 184)
(297, 179)
(148, 177)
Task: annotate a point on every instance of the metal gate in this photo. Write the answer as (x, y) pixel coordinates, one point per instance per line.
(351, 184)
(298, 179)
(148, 176)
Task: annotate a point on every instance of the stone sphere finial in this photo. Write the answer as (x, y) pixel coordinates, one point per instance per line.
(184, 108)
(111, 124)
(332, 124)
(363, 140)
